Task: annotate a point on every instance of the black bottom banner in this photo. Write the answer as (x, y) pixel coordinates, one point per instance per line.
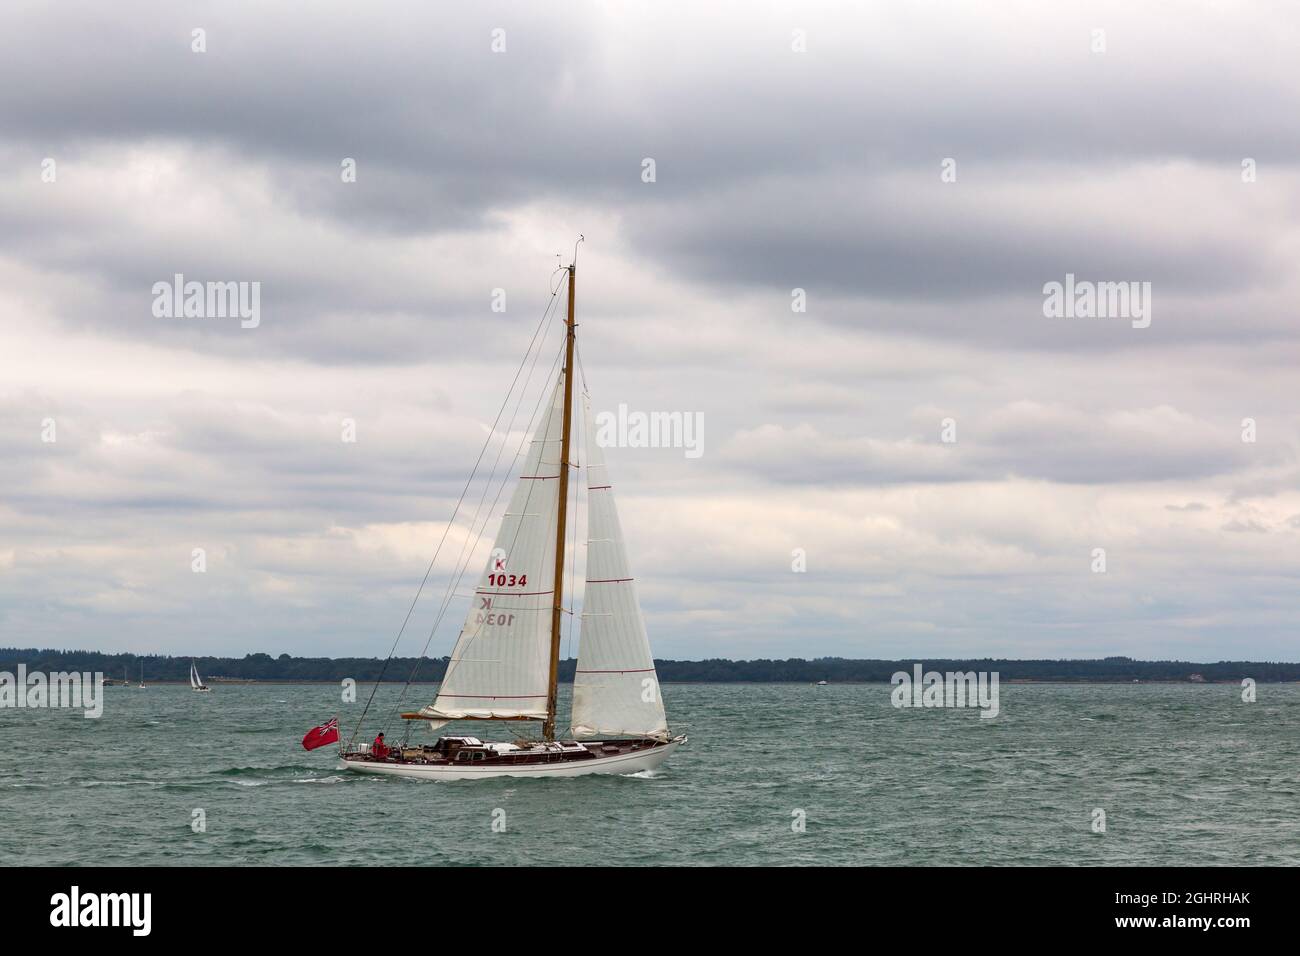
(247, 904)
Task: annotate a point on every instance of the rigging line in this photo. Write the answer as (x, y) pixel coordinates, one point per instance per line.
(582, 371)
(555, 287)
(464, 557)
(524, 439)
(585, 460)
(470, 544)
(577, 513)
(505, 481)
(464, 561)
(500, 451)
(469, 547)
(471, 540)
(536, 354)
(406, 620)
(478, 633)
(463, 567)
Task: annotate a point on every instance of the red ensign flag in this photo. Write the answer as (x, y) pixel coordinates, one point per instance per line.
(326, 733)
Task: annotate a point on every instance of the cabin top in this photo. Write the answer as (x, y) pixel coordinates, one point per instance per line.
(457, 741)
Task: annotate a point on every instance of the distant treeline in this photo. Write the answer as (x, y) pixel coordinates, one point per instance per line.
(264, 667)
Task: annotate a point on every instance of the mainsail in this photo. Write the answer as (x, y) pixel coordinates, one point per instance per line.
(616, 689)
(500, 667)
(195, 682)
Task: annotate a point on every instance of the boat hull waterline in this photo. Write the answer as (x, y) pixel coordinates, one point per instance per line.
(621, 764)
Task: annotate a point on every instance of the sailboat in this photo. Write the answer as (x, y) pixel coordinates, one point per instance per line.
(142, 675)
(505, 663)
(196, 682)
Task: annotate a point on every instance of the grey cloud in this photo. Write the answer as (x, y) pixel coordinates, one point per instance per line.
(775, 171)
(1024, 440)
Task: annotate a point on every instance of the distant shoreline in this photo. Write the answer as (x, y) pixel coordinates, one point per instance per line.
(284, 669)
(240, 682)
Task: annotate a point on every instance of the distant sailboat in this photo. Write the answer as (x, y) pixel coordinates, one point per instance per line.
(505, 663)
(142, 675)
(196, 682)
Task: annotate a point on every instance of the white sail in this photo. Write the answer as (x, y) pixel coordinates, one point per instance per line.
(616, 689)
(195, 683)
(500, 667)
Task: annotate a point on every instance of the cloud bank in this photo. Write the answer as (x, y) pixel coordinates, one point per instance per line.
(946, 458)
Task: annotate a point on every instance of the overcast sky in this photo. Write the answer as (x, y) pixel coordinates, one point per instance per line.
(794, 147)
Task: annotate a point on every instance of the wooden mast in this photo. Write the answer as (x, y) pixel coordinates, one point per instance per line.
(548, 728)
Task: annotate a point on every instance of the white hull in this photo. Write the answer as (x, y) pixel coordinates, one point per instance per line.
(621, 764)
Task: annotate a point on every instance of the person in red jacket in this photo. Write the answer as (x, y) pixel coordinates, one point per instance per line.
(379, 749)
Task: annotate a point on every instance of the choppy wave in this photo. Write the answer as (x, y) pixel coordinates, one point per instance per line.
(1183, 778)
(281, 768)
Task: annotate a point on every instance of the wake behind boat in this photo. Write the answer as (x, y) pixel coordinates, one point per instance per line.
(505, 664)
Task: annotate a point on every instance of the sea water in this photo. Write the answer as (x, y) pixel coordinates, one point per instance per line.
(773, 774)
